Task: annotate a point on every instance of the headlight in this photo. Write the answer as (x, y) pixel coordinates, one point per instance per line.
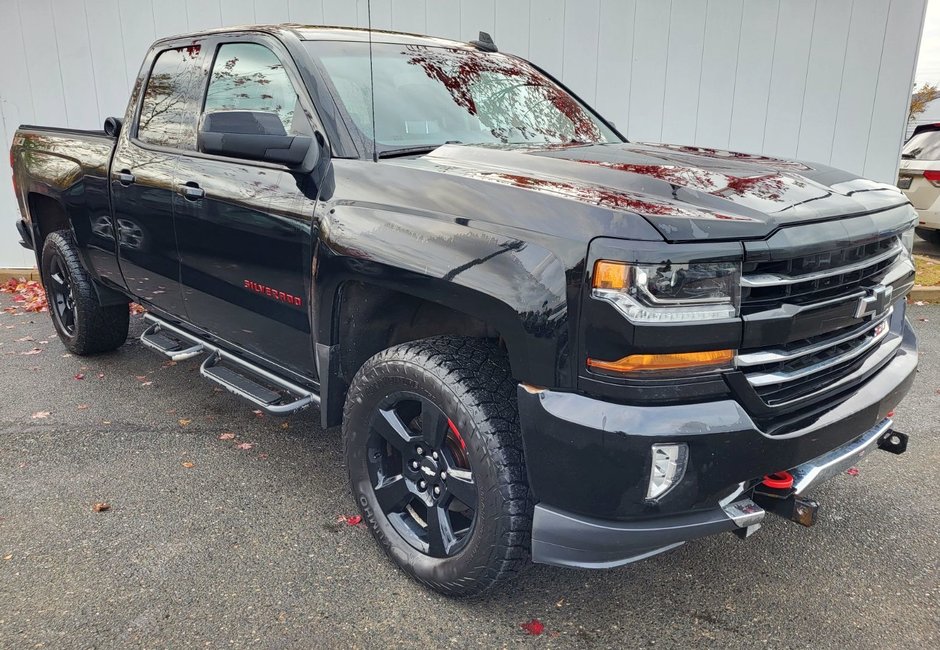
(669, 292)
(907, 240)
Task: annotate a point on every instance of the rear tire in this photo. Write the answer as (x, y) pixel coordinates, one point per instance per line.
(433, 425)
(84, 326)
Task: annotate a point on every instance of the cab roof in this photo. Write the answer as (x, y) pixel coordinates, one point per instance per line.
(333, 33)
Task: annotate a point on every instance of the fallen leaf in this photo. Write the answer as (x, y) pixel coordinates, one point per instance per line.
(183, 422)
(226, 436)
(82, 407)
(140, 377)
(8, 557)
(146, 383)
(80, 375)
(533, 627)
(136, 309)
(349, 520)
(100, 375)
(33, 351)
(66, 355)
(852, 471)
(920, 303)
(188, 464)
(285, 425)
(262, 456)
(168, 364)
(245, 445)
(923, 320)
(25, 338)
(101, 507)
(38, 415)
(259, 413)
(106, 422)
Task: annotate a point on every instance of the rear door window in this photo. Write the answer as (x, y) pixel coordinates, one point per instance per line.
(170, 108)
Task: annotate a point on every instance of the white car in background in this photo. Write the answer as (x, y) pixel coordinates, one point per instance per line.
(919, 179)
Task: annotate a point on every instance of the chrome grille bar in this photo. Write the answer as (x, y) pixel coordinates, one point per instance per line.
(865, 343)
(774, 279)
(778, 355)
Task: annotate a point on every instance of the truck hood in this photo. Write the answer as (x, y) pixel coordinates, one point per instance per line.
(686, 193)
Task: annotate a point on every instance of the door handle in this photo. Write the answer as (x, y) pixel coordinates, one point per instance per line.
(125, 177)
(192, 191)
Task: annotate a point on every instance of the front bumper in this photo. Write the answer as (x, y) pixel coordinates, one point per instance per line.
(564, 539)
(589, 464)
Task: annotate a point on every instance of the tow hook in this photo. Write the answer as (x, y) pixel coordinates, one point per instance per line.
(775, 494)
(894, 441)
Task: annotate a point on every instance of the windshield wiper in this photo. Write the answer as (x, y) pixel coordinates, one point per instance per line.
(411, 151)
(408, 151)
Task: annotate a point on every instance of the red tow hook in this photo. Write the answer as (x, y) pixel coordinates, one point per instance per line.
(779, 480)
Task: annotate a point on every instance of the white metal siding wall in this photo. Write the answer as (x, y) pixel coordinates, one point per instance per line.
(821, 80)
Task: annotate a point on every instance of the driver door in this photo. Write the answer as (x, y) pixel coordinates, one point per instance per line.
(244, 227)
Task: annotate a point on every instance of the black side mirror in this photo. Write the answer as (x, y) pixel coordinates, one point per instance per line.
(112, 126)
(254, 135)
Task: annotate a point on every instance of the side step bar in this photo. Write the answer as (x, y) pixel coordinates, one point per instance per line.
(157, 339)
(269, 392)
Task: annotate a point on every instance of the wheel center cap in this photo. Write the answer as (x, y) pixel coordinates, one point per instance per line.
(429, 467)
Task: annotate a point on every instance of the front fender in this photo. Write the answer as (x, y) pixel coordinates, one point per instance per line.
(515, 285)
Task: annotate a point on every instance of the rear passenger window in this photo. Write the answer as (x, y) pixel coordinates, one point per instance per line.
(170, 107)
(250, 77)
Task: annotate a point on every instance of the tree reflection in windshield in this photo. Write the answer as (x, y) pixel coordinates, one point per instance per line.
(429, 95)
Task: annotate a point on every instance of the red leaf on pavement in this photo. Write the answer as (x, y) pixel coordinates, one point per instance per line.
(259, 413)
(533, 627)
(136, 309)
(349, 520)
(852, 471)
(80, 375)
(100, 375)
(226, 436)
(245, 445)
(101, 507)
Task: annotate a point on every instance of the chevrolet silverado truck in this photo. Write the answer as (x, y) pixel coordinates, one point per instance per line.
(541, 340)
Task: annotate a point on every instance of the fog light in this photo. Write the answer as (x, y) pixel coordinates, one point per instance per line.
(669, 460)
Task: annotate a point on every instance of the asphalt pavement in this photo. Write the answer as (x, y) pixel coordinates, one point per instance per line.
(225, 530)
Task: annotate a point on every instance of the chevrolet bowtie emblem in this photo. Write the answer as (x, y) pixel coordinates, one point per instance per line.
(875, 302)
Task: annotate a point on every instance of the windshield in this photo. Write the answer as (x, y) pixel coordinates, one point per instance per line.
(923, 146)
(434, 95)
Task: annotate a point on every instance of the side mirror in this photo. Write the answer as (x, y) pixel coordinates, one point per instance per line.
(112, 126)
(253, 135)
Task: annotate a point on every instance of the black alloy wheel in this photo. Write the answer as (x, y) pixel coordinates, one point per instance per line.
(434, 453)
(60, 298)
(421, 474)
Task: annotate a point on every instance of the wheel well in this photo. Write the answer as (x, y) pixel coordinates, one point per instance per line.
(373, 318)
(47, 216)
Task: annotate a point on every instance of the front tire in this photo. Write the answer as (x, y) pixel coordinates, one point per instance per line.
(84, 326)
(432, 446)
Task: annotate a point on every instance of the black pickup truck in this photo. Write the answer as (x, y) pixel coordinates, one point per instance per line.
(539, 338)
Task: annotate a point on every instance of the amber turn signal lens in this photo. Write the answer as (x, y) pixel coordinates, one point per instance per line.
(610, 275)
(678, 361)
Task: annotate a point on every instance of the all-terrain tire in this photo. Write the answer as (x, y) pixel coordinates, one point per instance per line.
(469, 380)
(90, 328)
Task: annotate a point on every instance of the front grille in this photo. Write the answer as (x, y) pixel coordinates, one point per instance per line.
(812, 278)
(783, 375)
(819, 298)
